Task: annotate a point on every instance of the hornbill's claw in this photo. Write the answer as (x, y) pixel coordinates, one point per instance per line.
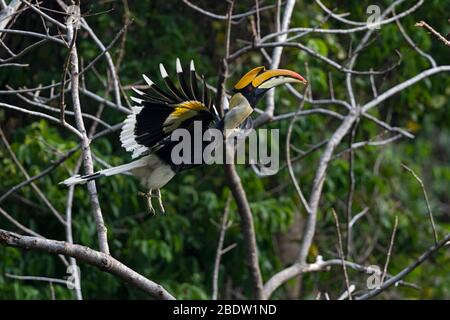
(149, 195)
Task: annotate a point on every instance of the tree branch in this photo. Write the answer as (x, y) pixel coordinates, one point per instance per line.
(98, 259)
(392, 281)
(86, 150)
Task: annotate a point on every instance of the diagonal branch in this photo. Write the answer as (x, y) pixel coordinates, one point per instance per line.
(423, 24)
(422, 186)
(392, 281)
(27, 176)
(98, 259)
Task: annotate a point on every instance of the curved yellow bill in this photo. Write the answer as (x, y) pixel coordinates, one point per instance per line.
(248, 78)
(273, 78)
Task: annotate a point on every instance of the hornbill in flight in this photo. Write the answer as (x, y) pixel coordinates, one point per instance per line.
(147, 130)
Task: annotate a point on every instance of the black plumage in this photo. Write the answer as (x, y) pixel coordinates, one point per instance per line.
(166, 110)
(147, 130)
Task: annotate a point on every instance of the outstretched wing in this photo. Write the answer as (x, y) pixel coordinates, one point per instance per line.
(159, 112)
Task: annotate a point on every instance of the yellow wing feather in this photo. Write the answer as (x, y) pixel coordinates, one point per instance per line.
(182, 112)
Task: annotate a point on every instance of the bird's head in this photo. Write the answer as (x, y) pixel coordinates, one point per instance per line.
(255, 83)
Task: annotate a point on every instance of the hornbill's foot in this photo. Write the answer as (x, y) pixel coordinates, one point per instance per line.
(158, 195)
(149, 195)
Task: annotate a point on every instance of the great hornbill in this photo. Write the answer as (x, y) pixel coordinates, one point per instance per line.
(147, 129)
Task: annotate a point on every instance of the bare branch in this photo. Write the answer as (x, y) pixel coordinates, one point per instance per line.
(98, 259)
(33, 34)
(401, 86)
(276, 54)
(351, 189)
(430, 213)
(386, 126)
(389, 253)
(39, 175)
(87, 156)
(220, 251)
(318, 183)
(358, 216)
(352, 30)
(44, 15)
(225, 17)
(312, 53)
(341, 254)
(339, 17)
(347, 293)
(27, 176)
(414, 45)
(21, 53)
(42, 115)
(18, 224)
(71, 113)
(248, 228)
(304, 113)
(395, 279)
(35, 278)
(423, 24)
(69, 235)
(19, 65)
(288, 159)
(62, 105)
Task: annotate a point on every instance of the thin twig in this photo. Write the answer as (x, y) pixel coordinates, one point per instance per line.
(341, 253)
(345, 295)
(36, 278)
(423, 24)
(351, 188)
(27, 176)
(42, 115)
(288, 157)
(395, 279)
(219, 252)
(62, 105)
(389, 253)
(225, 17)
(18, 224)
(414, 45)
(422, 186)
(69, 234)
(43, 173)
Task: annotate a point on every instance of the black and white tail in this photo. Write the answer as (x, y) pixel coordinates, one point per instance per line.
(78, 179)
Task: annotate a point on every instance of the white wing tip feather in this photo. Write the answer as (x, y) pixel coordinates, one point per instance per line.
(163, 71)
(137, 100)
(127, 137)
(192, 67)
(139, 92)
(73, 180)
(179, 68)
(147, 79)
